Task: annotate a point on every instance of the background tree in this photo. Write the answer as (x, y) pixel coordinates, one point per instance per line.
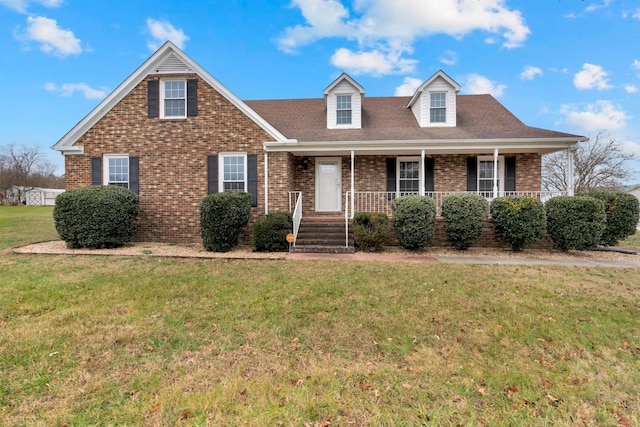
(24, 168)
(599, 163)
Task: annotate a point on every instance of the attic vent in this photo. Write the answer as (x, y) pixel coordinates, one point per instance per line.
(172, 64)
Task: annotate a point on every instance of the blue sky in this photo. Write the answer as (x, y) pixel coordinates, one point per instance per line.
(567, 65)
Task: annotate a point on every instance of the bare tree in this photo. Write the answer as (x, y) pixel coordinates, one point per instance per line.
(599, 163)
(23, 168)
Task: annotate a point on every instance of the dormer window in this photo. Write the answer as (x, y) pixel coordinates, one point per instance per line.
(343, 109)
(438, 111)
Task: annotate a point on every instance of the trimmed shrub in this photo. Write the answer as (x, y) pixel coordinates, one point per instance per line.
(519, 220)
(464, 216)
(371, 231)
(270, 233)
(222, 218)
(414, 220)
(575, 222)
(96, 217)
(622, 215)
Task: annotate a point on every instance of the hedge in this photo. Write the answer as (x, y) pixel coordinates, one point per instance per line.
(96, 217)
(222, 218)
(371, 231)
(622, 215)
(270, 233)
(465, 216)
(519, 220)
(575, 222)
(414, 220)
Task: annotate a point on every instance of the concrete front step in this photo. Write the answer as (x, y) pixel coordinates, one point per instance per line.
(324, 249)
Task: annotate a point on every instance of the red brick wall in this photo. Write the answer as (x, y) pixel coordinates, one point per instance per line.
(173, 157)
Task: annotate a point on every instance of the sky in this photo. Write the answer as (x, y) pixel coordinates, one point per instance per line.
(566, 65)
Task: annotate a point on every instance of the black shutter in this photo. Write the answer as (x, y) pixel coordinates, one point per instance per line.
(192, 97)
(472, 174)
(212, 174)
(510, 172)
(96, 171)
(429, 177)
(133, 174)
(152, 98)
(391, 177)
(252, 178)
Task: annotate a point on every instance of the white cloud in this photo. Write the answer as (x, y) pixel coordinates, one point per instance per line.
(636, 14)
(22, 5)
(602, 115)
(408, 87)
(477, 84)
(631, 88)
(591, 77)
(530, 72)
(68, 89)
(51, 37)
(595, 6)
(161, 31)
(636, 66)
(449, 58)
(374, 62)
(379, 25)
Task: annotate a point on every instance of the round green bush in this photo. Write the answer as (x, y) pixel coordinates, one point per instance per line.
(371, 231)
(96, 217)
(622, 215)
(519, 220)
(575, 222)
(222, 218)
(270, 233)
(465, 216)
(414, 220)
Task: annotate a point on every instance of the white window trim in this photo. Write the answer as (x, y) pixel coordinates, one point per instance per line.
(162, 99)
(501, 171)
(221, 157)
(350, 95)
(105, 167)
(408, 159)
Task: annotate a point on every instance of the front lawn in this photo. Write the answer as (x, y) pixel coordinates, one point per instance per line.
(147, 341)
(20, 225)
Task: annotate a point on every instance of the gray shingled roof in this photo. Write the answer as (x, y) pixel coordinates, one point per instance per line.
(388, 118)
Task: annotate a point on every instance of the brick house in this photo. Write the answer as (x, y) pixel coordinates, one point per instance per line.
(173, 134)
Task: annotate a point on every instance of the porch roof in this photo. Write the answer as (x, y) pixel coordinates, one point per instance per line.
(387, 119)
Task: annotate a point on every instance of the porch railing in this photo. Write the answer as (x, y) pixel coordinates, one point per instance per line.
(380, 201)
(295, 206)
(347, 195)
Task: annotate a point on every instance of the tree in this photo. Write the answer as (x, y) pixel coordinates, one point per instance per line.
(599, 163)
(24, 168)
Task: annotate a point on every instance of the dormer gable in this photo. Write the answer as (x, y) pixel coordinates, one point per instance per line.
(343, 99)
(434, 102)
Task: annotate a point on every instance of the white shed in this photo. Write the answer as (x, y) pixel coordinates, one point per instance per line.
(35, 196)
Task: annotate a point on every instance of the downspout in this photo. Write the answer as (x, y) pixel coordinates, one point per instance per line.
(266, 181)
(422, 173)
(495, 173)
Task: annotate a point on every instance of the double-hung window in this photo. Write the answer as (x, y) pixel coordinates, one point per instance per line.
(343, 109)
(486, 173)
(116, 171)
(233, 172)
(438, 111)
(408, 176)
(173, 95)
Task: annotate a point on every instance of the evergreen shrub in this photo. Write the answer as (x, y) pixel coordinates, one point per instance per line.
(575, 222)
(465, 216)
(622, 215)
(519, 220)
(222, 218)
(371, 231)
(270, 233)
(414, 220)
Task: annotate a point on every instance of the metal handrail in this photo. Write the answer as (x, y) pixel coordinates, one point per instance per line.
(346, 218)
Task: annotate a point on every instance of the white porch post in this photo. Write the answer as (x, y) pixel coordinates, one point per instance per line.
(353, 184)
(422, 172)
(570, 172)
(495, 173)
(266, 182)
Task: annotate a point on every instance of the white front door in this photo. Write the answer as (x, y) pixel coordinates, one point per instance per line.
(328, 184)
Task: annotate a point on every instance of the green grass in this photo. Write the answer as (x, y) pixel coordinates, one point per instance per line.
(140, 341)
(20, 225)
(632, 240)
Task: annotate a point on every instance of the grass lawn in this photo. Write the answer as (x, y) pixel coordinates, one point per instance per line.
(147, 341)
(20, 225)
